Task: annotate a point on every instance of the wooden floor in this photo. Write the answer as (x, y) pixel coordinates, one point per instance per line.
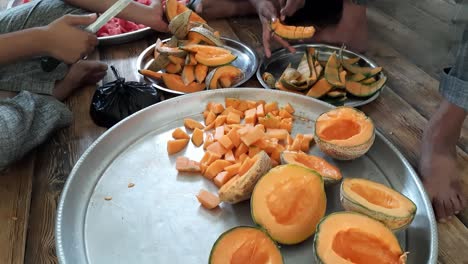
(412, 40)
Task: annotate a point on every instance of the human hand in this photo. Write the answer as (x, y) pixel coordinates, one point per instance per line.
(156, 17)
(267, 13)
(289, 7)
(65, 41)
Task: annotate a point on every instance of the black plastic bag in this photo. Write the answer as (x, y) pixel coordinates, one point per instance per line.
(116, 100)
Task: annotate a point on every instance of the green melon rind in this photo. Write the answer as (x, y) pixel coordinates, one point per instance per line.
(237, 227)
(179, 25)
(364, 90)
(345, 153)
(332, 74)
(366, 71)
(317, 234)
(392, 222)
(253, 193)
(208, 34)
(326, 180)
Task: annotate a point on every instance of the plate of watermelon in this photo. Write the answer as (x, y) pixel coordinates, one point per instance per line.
(116, 31)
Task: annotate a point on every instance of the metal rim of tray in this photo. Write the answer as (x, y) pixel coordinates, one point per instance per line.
(432, 255)
(109, 40)
(370, 62)
(140, 64)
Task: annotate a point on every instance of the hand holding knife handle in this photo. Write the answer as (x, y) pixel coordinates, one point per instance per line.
(48, 64)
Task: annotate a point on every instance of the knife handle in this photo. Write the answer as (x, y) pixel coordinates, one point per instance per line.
(49, 64)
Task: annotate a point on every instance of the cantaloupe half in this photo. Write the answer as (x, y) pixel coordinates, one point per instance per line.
(245, 245)
(344, 133)
(240, 188)
(347, 237)
(331, 174)
(378, 201)
(288, 202)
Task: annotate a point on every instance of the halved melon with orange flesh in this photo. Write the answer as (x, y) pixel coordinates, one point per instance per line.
(175, 82)
(245, 245)
(240, 188)
(291, 32)
(288, 202)
(330, 173)
(378, 201)
(210, 50)
(233, 73)
(347, 237)
(198, 34)
(214, 60)
(344, 133)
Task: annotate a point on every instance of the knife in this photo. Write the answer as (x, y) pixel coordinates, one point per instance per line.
(48, 64)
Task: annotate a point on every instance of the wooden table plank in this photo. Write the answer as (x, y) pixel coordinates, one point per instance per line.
(55, 159)
(15, 198)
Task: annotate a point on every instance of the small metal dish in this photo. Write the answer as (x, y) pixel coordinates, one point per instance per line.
(280, 59)
(246, 60)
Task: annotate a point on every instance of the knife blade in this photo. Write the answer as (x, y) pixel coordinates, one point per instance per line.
(48, 64)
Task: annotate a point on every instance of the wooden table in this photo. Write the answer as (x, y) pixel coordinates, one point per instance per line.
(30, 190)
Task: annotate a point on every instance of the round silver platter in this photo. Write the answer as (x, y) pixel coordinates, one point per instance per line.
(280, 59)
(159, 220)
(246, 60)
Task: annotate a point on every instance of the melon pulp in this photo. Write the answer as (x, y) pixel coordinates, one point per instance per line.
(344, 133)
(377, 201)
(245, 245)
(346, 237)
(288, 202)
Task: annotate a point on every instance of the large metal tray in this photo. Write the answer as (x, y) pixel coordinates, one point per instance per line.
(280, 59)
(159, 220)
(109, 40)
(246, 60)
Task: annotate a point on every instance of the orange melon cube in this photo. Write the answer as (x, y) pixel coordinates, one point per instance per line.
(192, 124)
(242, 158)
(208, 141)
(219, 132)
(306, 142)
(220, 120)
(284, 114)
(174, 146)
(253, 150)
(178, 133)
(277, 133)
(226, 142)
(289, 108)
(197, 137)
(184, 164)
(208, 200)
(251, 116)
(251, 137)
(240, 150)
(270, 107)
(233, 118)
(210, 118)
(260, 110)
(229, 156)
(233, 169)
(216, 167)
(217, 148)
(221, 178)
(232, 102)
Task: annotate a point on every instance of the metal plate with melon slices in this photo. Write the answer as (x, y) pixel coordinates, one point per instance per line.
(159, 220)
(109, 40)
(246, 60)
(280, 59)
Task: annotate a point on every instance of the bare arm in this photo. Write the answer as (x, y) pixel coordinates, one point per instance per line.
(61, 39)
(21, 45)
(141, 14)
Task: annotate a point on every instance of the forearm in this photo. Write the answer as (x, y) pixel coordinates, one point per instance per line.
(442, 133)
(21, 45)
(134, 12)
